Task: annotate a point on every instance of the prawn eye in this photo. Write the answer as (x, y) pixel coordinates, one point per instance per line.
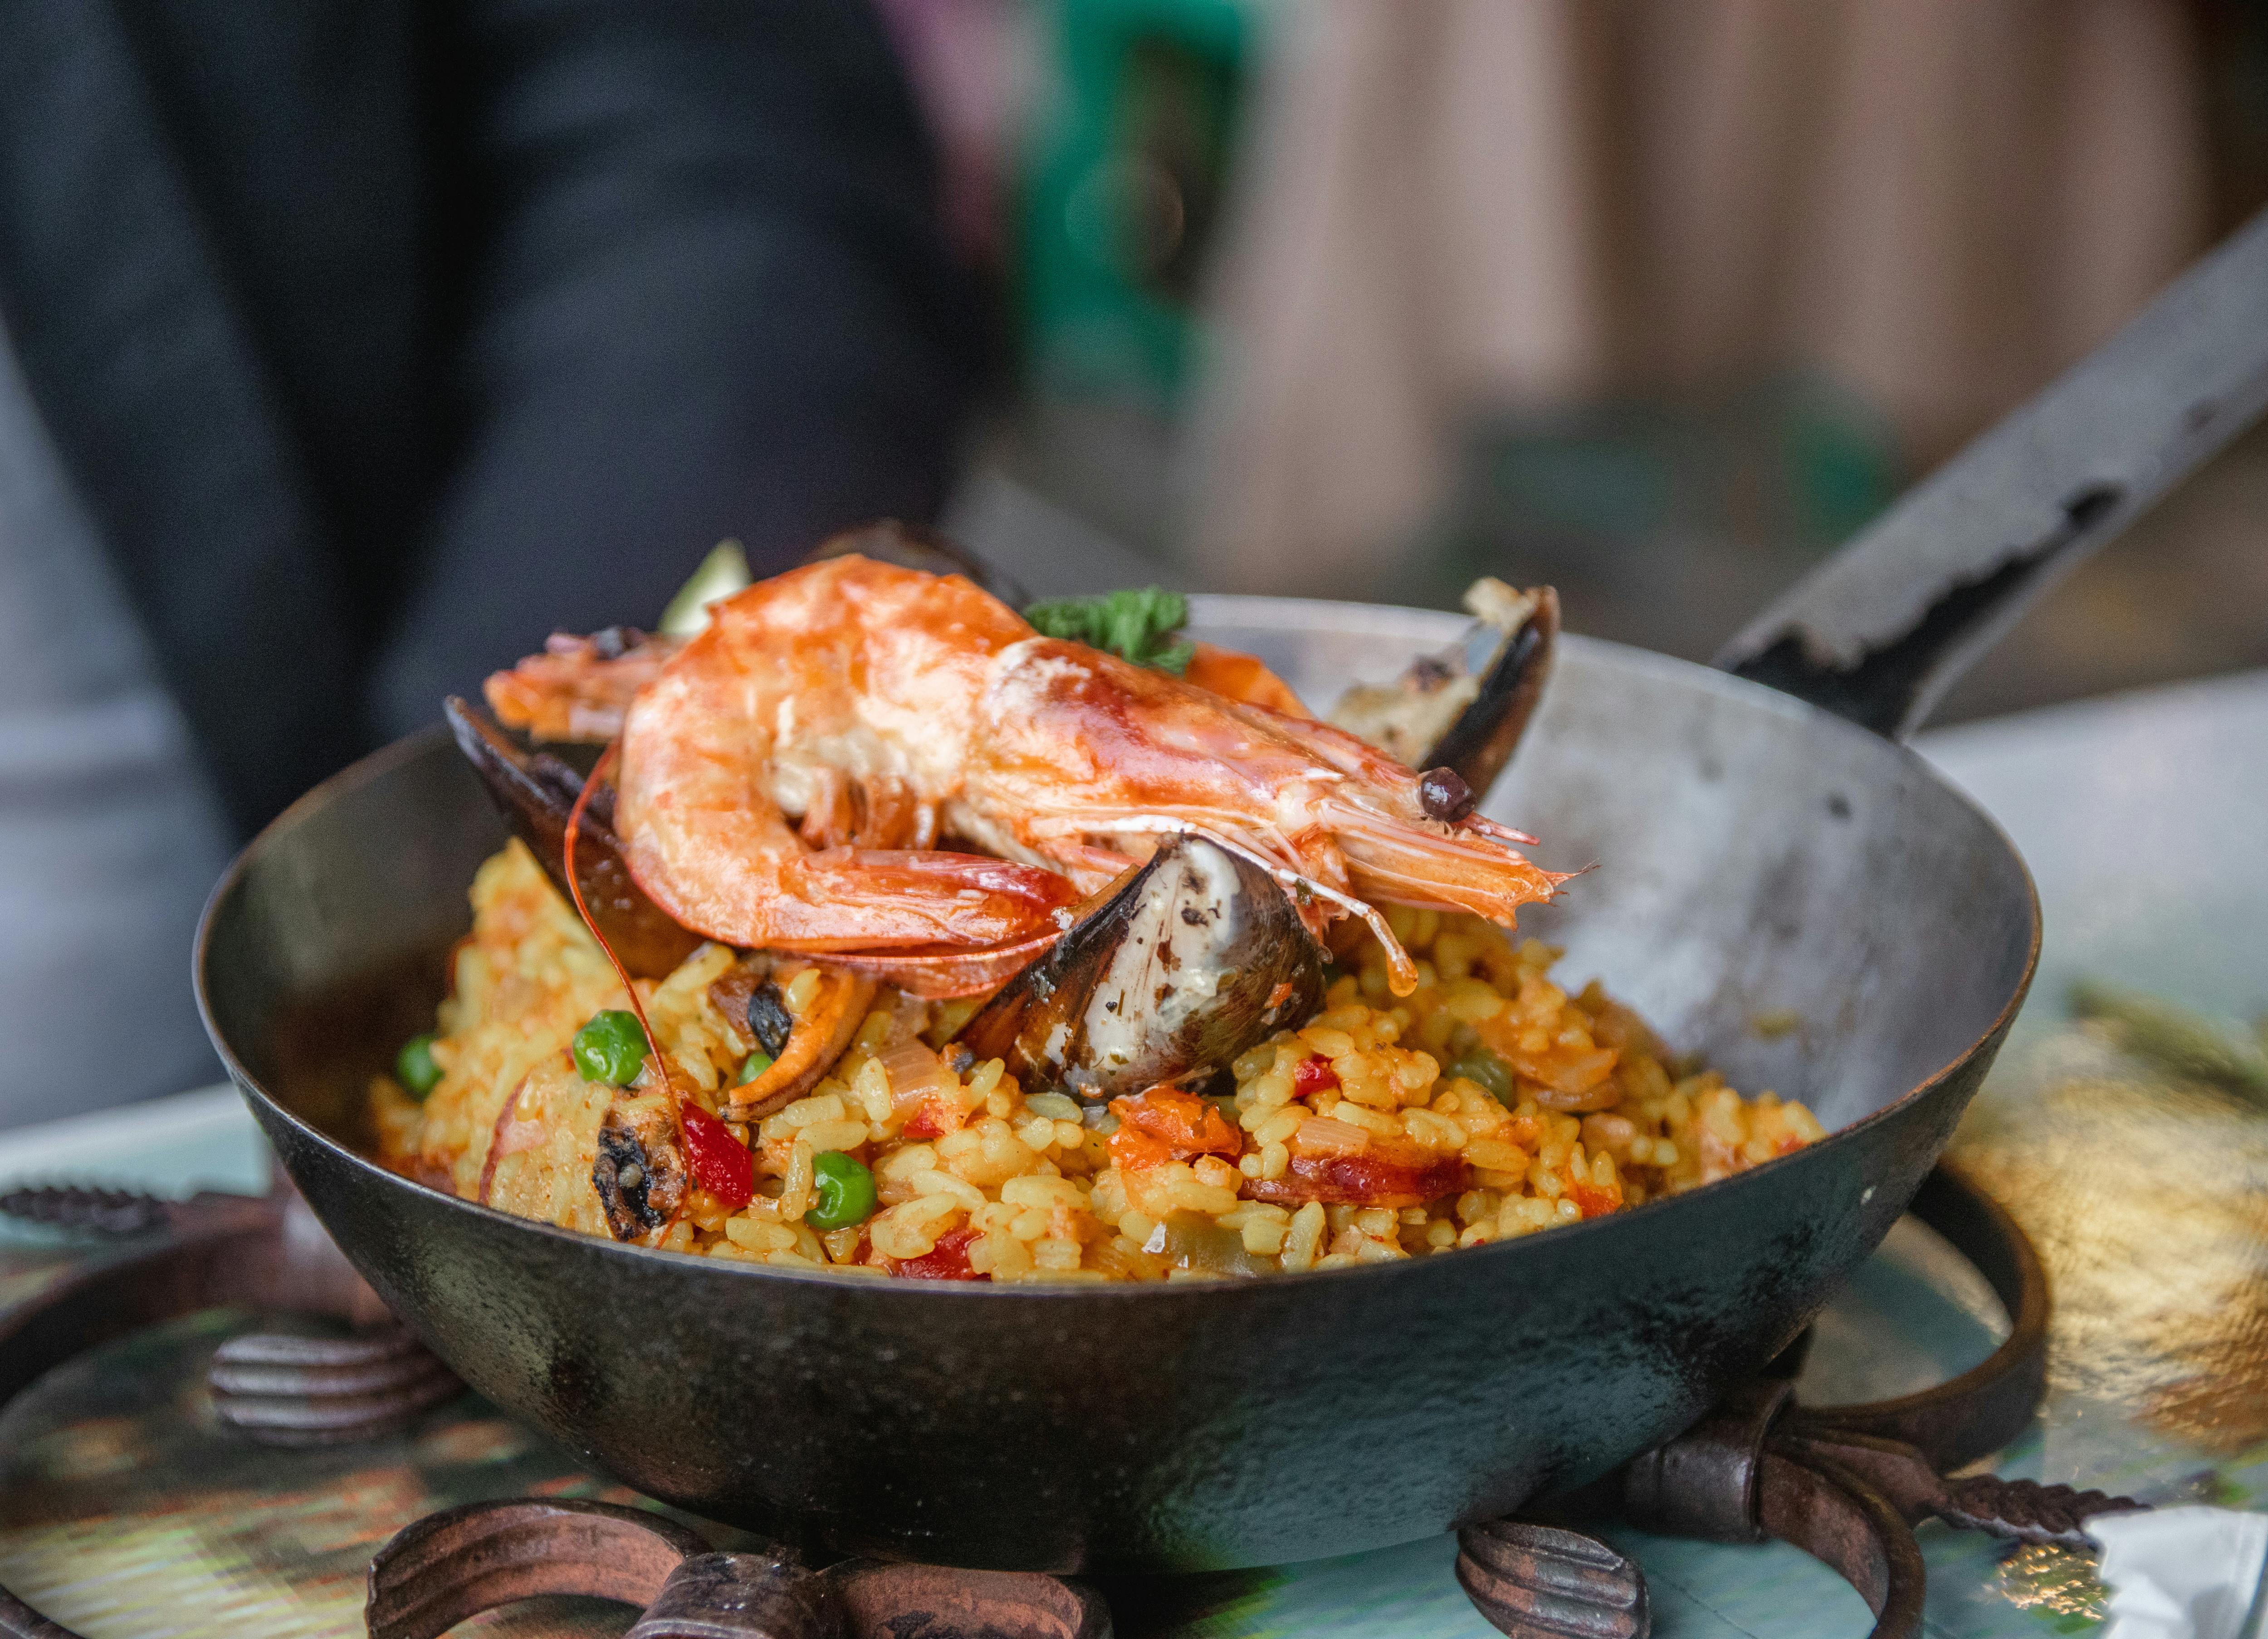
(1445, 794)
(768, 1019)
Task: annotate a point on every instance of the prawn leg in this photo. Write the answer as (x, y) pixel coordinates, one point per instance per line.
(770, 895)
(875, 898)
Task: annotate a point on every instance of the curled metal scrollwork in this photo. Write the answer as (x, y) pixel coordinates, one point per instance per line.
(1844, 1483)
(284, 1387)
(1847, 1484)
(455, 1564)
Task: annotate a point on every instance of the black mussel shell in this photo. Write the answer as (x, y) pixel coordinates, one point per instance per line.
(534, 792)
(1513, 663)
(768, 1019)
(1197, 956)
(1461, 712)
(890, 541)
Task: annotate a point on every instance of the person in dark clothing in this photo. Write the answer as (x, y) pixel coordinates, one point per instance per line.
(369, 341)
(382, 337)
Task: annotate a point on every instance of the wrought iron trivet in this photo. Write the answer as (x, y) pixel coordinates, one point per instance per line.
(463, 1560)
(1845, 1484)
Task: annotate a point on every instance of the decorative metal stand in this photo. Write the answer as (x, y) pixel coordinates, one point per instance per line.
(279, 1388)
(283, 1387)
(462, 1561)
(1845, 1483)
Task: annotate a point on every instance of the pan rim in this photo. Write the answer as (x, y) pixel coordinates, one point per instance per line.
(1222, 610)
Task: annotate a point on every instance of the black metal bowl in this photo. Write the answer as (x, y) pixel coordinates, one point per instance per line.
(1805, 904)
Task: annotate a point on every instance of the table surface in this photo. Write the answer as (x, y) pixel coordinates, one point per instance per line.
(2141, 818)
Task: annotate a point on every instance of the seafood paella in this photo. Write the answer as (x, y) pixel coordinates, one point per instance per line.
(899, 933)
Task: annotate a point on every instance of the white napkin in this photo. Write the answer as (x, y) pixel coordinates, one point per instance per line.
(2183, 1573)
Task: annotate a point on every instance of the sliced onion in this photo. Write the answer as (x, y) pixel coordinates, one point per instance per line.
(521, 1135)
(1328, 1135)
(916, 1074)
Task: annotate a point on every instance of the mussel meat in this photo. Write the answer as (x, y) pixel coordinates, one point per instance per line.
(1196, 956)
(800, 1047)
(534, 792)
(1462, 712)
(639, 1171)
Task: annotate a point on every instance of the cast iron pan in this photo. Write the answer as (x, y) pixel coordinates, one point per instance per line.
(1777, 888)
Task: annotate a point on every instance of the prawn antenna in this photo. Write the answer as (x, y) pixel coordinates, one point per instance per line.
(601, 770)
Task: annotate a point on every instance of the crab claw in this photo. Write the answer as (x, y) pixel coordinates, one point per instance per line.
(534, 793)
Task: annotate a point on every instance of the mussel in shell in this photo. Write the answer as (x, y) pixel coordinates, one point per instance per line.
(1196, 956)
(800, 1049)
(534, 793)
(1461, 712)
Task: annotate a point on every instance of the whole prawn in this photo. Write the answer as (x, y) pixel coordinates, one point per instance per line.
(884, 709)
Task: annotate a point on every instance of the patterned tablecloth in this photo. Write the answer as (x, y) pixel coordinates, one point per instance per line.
(2133, 1143)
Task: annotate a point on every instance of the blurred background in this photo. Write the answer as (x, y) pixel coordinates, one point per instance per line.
(1658, 300)
(350, 346)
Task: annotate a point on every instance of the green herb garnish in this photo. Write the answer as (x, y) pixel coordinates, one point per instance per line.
(1142, 625)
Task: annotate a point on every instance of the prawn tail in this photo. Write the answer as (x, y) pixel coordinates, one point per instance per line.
(1441, 869)
(878, 898)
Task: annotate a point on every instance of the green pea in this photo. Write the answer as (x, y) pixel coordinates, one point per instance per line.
(415, 1069)
(610, 1048)
(754, 1066)
(845, 1190)
(1490, 1072)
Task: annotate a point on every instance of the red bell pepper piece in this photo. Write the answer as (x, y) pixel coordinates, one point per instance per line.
(948, 1260)
(719, 1162)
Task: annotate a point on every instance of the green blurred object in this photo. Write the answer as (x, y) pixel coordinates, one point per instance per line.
(1795, 462)
(722, 573)
(1128, 161)
(415, 1069)
(1663, 521)
(2175, 1039)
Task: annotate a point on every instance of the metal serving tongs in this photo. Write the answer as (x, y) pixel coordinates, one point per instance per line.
(1875, 635)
